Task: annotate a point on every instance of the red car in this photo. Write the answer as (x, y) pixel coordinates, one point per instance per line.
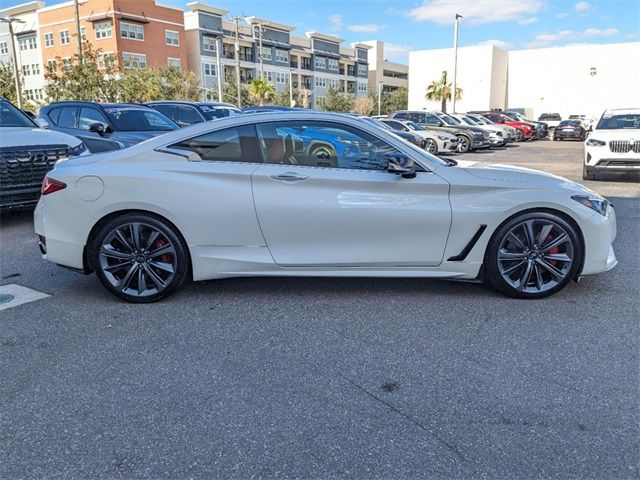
(526, 131)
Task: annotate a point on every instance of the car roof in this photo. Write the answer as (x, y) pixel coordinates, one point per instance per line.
(187, 102)
(621, 111)
(97, 104)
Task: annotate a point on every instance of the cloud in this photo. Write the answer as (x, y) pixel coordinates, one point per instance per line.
(528, 21)
(548, 39)
(632, 35)
(395, 51)
(496, 43)
(596, 32)
(478, 12)
(582, 6)
(366, 28)
(336, 22)
(561, 15)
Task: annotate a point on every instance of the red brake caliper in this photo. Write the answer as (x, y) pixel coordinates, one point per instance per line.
(166, 258)
(552, 250)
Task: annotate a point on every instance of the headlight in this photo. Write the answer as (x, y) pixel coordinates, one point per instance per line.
(592, 142)
(594, 202)
(441, 137)
(77, 150)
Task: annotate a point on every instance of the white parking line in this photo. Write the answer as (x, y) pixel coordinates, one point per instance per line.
(20, 295)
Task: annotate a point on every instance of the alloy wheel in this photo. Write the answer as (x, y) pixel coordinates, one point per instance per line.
(463, 145)
(432, 146)
(535, 255)
(138, 259)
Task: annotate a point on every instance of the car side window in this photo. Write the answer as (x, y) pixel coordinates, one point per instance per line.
(188, 115)
(168, 110)
(54, 115)
(322, 144)
(68, 117)
(416, 117)
(401, 116)
(89, 116)
(237, 144)
(432, 120)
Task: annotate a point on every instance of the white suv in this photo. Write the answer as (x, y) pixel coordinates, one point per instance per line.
(27, 153)
(614, 144)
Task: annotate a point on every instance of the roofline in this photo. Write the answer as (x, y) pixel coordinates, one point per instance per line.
(22, 8)
(324, 36)
(252, 20)
(206, 8)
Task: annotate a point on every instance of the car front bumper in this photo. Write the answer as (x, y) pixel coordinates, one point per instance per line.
(599, 232)
(603, 159)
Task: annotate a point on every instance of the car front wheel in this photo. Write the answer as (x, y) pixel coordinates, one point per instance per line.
(140, 258)
(431, 146)
(519, 136)
(533, 255)
(463, 144)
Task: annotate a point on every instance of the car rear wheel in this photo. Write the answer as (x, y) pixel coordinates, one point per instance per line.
(431, 146)
(519, 135)
(533, 255)
(140, 258)
(463, 144)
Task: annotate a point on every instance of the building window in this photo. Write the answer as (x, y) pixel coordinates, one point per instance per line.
(281, 77)
(362, 87)
(321, 62)
(4, 48)
(48, 39)
(134, 60)
(333, 64)
(268, 75)
(106, 59)
(266, 53)
(282, 56)
(83, 33)
(26, 71)
(209, 69)
(362, 70)
(132, 31)
(65, 38)
(28, 43)
(66, 63)
(172, 38)
(321, 82)
(174, 62)
(103, 30)
(208, 44)
(52, 66)
(35, 68)
(334, 83)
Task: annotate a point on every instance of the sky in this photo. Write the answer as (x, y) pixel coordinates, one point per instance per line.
(406, 25)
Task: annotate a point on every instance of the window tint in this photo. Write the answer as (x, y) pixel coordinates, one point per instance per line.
(322, 144)
(236, 144)
(188, 115)
(211, 113)
(139, 120)
(168, 110)
(89, 116)
(396, 125)
(432, 120)
(401, 116)
(10, 116)
(68, 117)
(616, 122)
(54, 115)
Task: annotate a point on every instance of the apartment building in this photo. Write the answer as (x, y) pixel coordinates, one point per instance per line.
(139, 33)
(385, 76)
(315, 62)
(28, 48)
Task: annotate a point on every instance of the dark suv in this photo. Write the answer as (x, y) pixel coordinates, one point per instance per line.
(188, 113)
(107, 126)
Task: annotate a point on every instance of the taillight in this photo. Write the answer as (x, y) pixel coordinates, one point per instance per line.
(49, 185)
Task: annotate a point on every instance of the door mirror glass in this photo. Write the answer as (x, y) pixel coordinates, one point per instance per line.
(401, 164)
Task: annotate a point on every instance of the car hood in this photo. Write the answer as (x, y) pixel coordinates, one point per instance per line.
(133, 138)
(519, 176)
(25, 136)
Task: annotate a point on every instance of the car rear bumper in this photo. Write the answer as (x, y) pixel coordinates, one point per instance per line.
(563, 134)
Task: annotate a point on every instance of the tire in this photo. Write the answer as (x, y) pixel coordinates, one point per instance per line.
(587, 173)
(143, 270)
(431, 146)
(519, 135)
(463, 144)
(518, 266)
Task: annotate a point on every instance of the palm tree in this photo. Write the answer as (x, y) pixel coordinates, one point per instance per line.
(440, 90)
(261, 90)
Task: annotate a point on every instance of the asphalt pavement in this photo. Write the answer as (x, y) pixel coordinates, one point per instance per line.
(325, 378)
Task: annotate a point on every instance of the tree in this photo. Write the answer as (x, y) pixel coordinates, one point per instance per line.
(282, 99)
(230, 94)
(141, 85)
(337, 101)
(363, 105)
(440, 91)
(261, 90)
(304, 97)
(397, 99)
(178, 84)
(7, 83)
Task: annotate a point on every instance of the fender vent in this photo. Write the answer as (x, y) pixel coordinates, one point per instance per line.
(465, 251)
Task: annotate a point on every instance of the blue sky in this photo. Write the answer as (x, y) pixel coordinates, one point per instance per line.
(426, 24)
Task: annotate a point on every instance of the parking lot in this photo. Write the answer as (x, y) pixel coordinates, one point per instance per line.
(325, 378)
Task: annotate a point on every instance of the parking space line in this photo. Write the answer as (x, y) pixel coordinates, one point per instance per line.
(20, 295)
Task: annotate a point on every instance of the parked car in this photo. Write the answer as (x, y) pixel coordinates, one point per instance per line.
(551, 120)
(496, 135)
(434, 141)
(526, 131)
(587, 121)
(510, 133)
(27, 153)
(466, 137)
(614, 144)
(273, 108)
(541, 128)
(188, 113)
(109, 125)
(408, 136)
(480, 136)
(570, 129)
(238, 197)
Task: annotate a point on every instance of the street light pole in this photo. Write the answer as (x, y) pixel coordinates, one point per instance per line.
(455, 62)
(237, 55)
(290, 88)
(261, 62)
(16, 72)
(77, 13)
(379, 96)
(219, 67)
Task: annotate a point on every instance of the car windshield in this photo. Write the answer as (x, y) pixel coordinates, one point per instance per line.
(447, 119)
(620, 121)
(466, 120)
(10, 116)
(413, 126)
(483, 120)
(127, 119)
(211, 113)
(550, 116)
(570, 123)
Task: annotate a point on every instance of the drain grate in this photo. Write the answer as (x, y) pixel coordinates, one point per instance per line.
(6, 298)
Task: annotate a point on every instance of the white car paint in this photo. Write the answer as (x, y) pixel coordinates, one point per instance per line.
(237, 220)
(25, 136)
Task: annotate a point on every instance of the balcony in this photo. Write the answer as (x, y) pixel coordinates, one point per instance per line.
(294, 64)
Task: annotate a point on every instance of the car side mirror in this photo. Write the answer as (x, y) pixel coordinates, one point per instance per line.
(401, 164)
(41, 123)
(99, 128)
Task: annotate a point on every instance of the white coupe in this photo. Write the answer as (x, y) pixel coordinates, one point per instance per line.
(314, 194)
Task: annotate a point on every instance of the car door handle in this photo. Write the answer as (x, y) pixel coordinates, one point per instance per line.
(289, 177)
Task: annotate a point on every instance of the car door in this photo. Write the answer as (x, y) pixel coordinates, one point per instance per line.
(340, 206)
